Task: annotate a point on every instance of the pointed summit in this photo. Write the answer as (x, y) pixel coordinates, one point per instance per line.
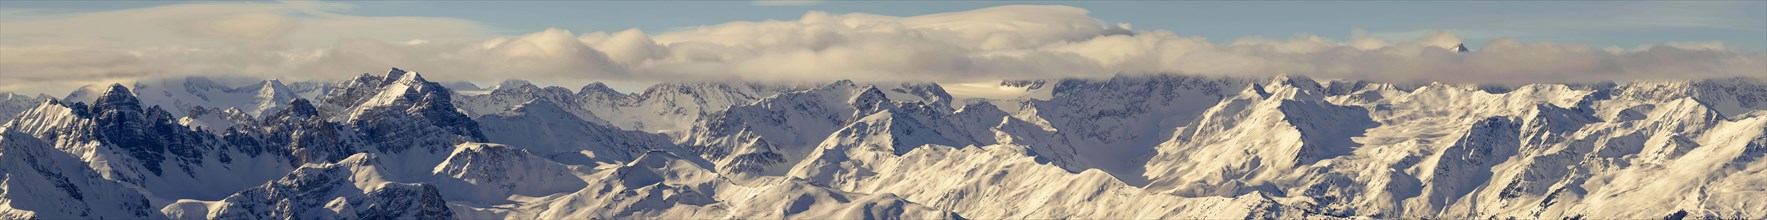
(1295, 81)
(1288, 87)
(274, 90)
(844, 83)
(272, 84)
(512, 84)
(116, 88)
(302, 107)
(395, 73)
(413, 77)
(398, 75)
(869, 100)
(271, 94)
(117, 96)
(1460, 48)
(597, 88)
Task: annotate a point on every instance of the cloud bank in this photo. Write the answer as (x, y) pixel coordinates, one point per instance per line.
(317, 41)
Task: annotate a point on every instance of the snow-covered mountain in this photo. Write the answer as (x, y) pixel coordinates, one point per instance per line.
(145, 147)
(1461, 152)
(543, 128)
(662, 107)
(39, 182)
(12, 103)
(179, 95)
(397, 145)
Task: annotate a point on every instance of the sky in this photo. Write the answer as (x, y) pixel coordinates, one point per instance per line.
(50, 46)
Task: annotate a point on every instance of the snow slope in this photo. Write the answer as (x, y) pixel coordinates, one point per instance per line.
(662, 107)
(12, 103)
(38, 182)
(397, 145)
(179, 95)
(544, 128)
(144, 147)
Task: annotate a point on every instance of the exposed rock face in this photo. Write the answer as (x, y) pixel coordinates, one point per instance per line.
(398, 146)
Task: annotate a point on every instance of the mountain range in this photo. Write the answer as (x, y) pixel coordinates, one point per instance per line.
(397, 145)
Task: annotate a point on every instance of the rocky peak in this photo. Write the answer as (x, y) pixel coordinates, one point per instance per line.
(410, 88)
(397, 74)
(869, 100)
(149, 135)
(687, 88)
(933, 90)
(273, 86)
(845, 83)
(513, 84)
(42, 183)
(1293, 87)
(1297, 81)
(117, 97)
(597, 88)
(1027, 84)
(411, 77)
(301, 107)
(387, 112)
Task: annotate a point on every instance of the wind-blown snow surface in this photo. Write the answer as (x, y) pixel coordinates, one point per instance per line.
(1129, 147)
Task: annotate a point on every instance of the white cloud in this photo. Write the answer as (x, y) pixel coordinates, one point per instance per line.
(629, 47)
(1055, 41)
(1009, 42)
(58, 52)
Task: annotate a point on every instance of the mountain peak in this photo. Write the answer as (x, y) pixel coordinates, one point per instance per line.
(1290, 87)
(1028, 84)
(117, 96)
(1297, 81)
(869, 100)
(512, 84)
(412, 77)
(302, 107)
(596, 87)
(1460, 48)
(272, 91)
(272, 83)
(116, 88)
(395, 73)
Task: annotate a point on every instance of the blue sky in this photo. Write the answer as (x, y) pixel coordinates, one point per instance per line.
(1739, 24)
